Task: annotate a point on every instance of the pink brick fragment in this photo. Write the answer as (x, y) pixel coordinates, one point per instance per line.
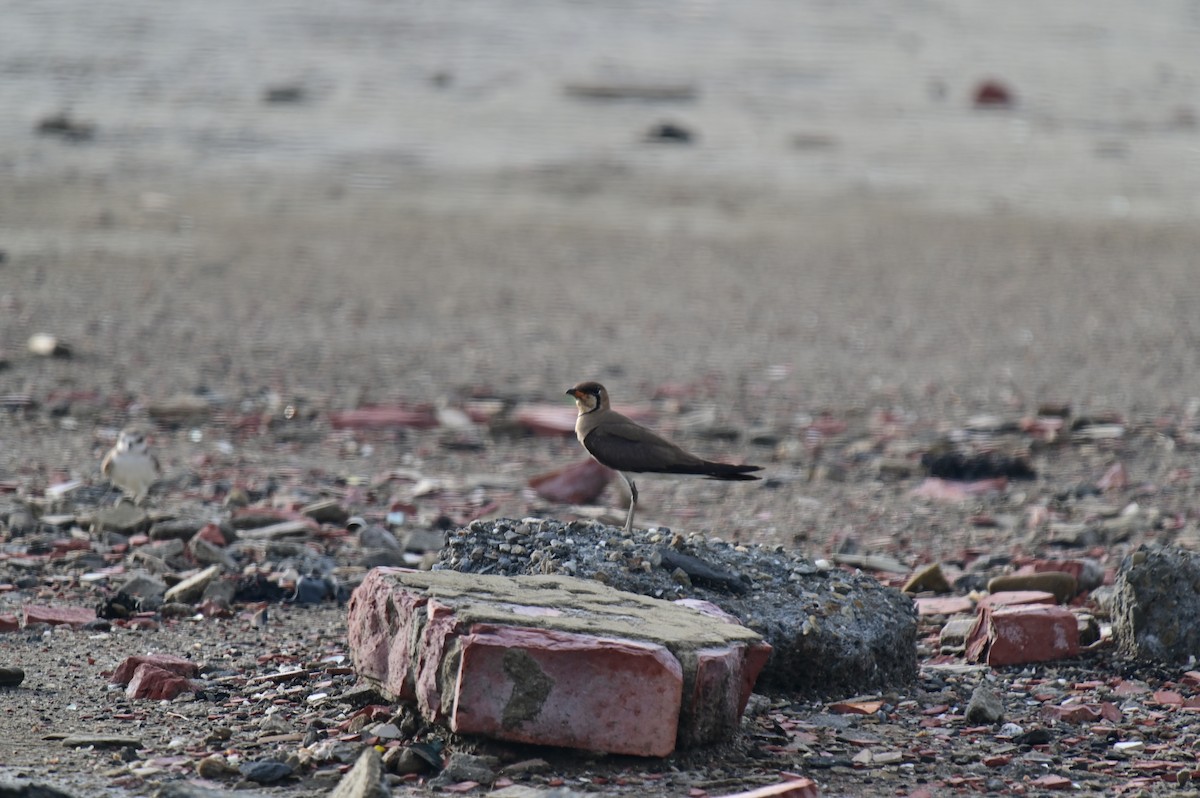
(69, 616)
(155, 683)
(1011, 598)
(796, 788)
(947, 605)
(168, 662)
(573, 690)
(9, 623)
(1033, 633)
(578, 483)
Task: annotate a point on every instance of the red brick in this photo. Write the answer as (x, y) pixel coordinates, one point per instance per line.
(1012, 598)
(580, 691)
(168, 662)
(9, 623)
(1034, 633)
(158, 684)
(1051, 782)
(212, 533)
(384, 418)
(553, 661)
(794, 788)
(1073, 713)
(69, 616)
(578, 483)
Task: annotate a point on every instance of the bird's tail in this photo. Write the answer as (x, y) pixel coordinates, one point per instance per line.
(726, 471)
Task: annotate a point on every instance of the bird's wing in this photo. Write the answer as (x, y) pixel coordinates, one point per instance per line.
(621, 444)
(106, 463)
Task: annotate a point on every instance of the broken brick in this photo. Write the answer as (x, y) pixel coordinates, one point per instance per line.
(1033, 633)
(1011, 598)
(155, 683)
(168, 662)
(793, 788)
(56, 616)
(553, 660)
(578, 483)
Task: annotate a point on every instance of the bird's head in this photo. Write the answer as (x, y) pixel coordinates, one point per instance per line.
(131, 439)
(589, 396)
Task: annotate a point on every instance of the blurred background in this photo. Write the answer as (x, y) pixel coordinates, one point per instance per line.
(952, 206)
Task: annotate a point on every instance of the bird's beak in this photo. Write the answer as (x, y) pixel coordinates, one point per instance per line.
(573, 392)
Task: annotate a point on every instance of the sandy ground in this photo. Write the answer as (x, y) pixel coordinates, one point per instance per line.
(437, 219)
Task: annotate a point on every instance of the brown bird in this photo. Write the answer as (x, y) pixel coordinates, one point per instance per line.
(629, 448)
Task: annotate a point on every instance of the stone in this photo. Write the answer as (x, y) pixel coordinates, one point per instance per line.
(155, 683)
(465, 767)
(1062, 585)
(183, 789)
(207, 553)
(1012, 598)
(928, 578)
(265, 771)
(11, 676)
(192, 588)
(833, 632)
(954, 633)
(101, 741)
(795, 788)
(124, 517)
(985, 706)
(169, 662)
(326, 511)
(279, 531)
(384, 418)
(176, 528)
(519, 791)
(74, 617)
(143, 586)
(947, 605)
(552, 660)
(25, 788)
(1156, 603)
(364, 780)
(9, 623)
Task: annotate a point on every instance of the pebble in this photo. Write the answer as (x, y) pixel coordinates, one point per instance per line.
(265, 771)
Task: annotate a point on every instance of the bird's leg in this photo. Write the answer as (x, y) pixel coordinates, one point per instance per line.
(632, 502)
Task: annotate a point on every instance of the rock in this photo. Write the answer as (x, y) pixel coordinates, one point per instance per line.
(948, 605)
(124, 517)
(364, 779)
(206, 553)
(280, 531)
(155, 683)
(46, 345)
(24, 788)
(192, 588)
(1013, 598)
(985, 707)
(793, 788)
(992, 94)
(928, 578)
(101, 741)
(465, 767)
(1156, 603)
(182, 789)
(384, 418)
(74, 617)
(579, 483)
(9, 623)
(646, 92)
(265, 771)
(406, 759)
(552, 660)
(1061, 584)
(326, 511)
(11, 676)
(215, 766)
(168, 662)
(833, 632)
(517, 791)
(143, 586)
(953, 637)
(180, 409)
(176, 528)
(672, 132)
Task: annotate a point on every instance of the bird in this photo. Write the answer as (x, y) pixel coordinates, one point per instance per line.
(630, 449)
(130, 465)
